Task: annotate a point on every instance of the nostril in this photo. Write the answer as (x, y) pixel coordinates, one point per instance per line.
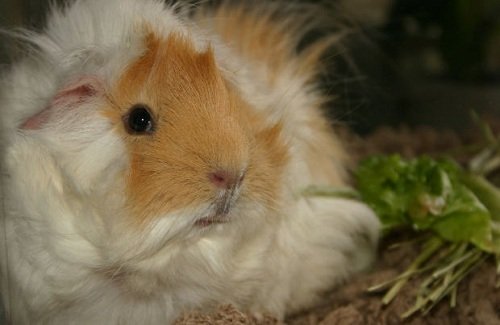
(221, 179)
(226, 180)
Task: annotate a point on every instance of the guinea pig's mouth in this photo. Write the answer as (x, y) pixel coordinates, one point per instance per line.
(220, 209)
(219, 212)
(212, 220)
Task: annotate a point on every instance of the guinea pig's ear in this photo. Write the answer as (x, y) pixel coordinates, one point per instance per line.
(66, 101)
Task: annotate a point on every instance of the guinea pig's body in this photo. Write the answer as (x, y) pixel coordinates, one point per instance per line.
(153, 163)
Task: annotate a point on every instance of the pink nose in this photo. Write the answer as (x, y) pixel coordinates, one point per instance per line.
(225, 180)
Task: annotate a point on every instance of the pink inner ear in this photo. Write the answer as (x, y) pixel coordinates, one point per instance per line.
(68, 98)
(35, 122)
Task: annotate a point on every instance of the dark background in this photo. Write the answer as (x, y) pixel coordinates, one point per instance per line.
(410, 62)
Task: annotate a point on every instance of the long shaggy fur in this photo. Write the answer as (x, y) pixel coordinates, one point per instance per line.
(104, 226)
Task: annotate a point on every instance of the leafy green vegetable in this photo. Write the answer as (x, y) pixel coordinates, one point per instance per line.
(425, 194)
(461, 210)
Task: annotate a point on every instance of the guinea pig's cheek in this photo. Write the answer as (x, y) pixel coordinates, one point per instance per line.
(155, 189)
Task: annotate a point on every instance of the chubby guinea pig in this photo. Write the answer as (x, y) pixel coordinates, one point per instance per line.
(153, 158)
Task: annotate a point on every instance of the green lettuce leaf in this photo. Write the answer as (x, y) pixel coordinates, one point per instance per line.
(425, 194)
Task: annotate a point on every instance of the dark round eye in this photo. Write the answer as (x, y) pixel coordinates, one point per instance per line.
(139, 120)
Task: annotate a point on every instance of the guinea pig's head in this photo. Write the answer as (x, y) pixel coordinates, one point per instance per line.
(169, 146)
(195, 147)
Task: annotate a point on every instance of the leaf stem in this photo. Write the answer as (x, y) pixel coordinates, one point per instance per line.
(432, 245)
(452, 265)
(486, 192)
(331, 191)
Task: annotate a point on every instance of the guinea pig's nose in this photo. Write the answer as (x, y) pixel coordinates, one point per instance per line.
(226, 180)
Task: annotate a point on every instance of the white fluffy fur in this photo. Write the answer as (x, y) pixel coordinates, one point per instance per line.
(70, 258)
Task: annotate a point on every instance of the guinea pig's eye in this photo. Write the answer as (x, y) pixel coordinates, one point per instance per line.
(139, 120)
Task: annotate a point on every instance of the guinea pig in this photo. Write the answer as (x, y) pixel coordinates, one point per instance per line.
(154, 158)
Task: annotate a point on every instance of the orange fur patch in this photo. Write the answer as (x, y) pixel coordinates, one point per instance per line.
(202, 125)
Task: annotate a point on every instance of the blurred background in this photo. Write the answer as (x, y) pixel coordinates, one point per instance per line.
(408, 62)
(434, 62)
